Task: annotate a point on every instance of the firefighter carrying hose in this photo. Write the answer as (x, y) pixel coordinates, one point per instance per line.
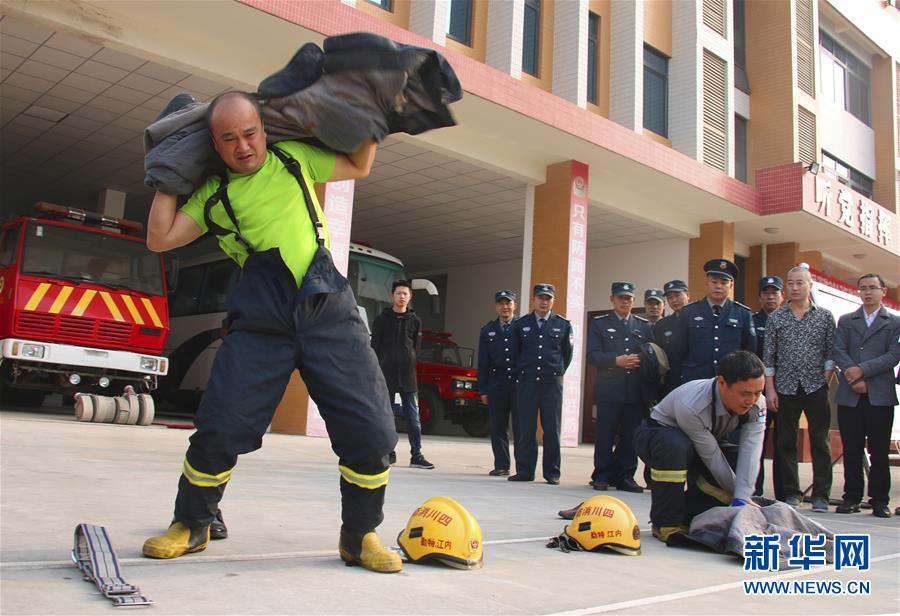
(684, 441)
(290, 310)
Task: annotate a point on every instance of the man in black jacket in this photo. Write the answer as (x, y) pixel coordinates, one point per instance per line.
(397, 340)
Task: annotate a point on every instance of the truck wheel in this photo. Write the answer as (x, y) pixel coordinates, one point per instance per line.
(431, 411)
(478, 425)
(14, 396)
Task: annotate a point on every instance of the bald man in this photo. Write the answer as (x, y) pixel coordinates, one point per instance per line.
(291, 310)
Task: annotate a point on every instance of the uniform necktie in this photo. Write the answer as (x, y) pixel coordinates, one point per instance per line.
(505, 327)
(717, 309)
(541, 322)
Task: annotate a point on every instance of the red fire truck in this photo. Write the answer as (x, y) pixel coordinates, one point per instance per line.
(82, 306)
(447, 386)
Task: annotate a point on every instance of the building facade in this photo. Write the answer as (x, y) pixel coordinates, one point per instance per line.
(598, 140)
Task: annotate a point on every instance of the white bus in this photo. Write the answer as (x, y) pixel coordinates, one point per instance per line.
(198, 306)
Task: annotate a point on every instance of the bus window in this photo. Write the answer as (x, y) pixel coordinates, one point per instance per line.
(220, 276)
(371, 280)
(184, 299)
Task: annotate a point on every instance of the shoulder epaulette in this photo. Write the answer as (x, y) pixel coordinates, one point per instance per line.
(602, 316)
(640, 318)
(696, 301)
(747, 308)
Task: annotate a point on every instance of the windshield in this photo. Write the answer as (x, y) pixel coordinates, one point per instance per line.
(76, 255)
(439, 352)
(371, 280)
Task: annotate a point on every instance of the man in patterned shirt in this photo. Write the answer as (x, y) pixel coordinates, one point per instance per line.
(799, 366)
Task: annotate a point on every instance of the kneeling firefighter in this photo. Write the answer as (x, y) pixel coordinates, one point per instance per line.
(684, 441)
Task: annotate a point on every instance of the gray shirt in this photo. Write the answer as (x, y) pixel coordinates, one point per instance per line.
(799, 352)
(689, 408)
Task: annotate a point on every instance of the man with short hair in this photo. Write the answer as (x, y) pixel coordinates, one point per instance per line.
(665, 330)
(290, 310)
(497, 377)
(614, 340)
(542, 345)
(799, 365)
(397, 341)
(685, 441)
(771, 296)
(712, 327)
(867, 350)
(654, 305)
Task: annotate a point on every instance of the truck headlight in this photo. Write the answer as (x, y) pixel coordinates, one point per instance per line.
(33, 350)
(149, 363)
(460, 384)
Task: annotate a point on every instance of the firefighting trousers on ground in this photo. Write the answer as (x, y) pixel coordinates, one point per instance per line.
(671, 461)
(273, 330)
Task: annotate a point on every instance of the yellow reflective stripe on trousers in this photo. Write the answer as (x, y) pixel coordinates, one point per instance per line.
(204, 480)
(370, 482)
(677, 476)
(716, 492)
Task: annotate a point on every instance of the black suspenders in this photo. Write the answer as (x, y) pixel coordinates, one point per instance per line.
(221, 194)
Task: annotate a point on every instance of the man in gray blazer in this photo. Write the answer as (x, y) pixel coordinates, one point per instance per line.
(867, 350)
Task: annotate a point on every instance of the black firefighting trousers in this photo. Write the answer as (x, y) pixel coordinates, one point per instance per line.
(672, 461)
(273, 330)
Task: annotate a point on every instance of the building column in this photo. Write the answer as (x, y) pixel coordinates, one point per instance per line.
(558, 253)
(570, 61)
(716, 241)
(626, 76)
(429, 18)
(774, 260)
(504, 36)
(297, 413)
(885, 117)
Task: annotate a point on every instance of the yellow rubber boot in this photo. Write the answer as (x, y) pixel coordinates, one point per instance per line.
(177, 541)
(663, 532)
(368, 553)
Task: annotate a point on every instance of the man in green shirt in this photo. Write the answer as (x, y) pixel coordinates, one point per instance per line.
(290, 310)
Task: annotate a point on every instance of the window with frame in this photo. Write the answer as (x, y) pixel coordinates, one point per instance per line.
(844, 79)
(847, 175)
(459, 23)
(9, 246)
(531, 37)
(740, 148)
(656, 95)
(387, 5)
(593, 56)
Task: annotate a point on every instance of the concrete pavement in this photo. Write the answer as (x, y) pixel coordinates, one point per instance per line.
(282, 512)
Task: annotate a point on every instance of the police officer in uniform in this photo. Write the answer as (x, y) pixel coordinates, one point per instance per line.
(613, 342)
(685, 441)
(714, 326)
(497, 377)
(654, 305)
(771, 296)
(542, 345)
(664, 330)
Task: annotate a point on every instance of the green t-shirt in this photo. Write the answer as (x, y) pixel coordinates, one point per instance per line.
(269, 207)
